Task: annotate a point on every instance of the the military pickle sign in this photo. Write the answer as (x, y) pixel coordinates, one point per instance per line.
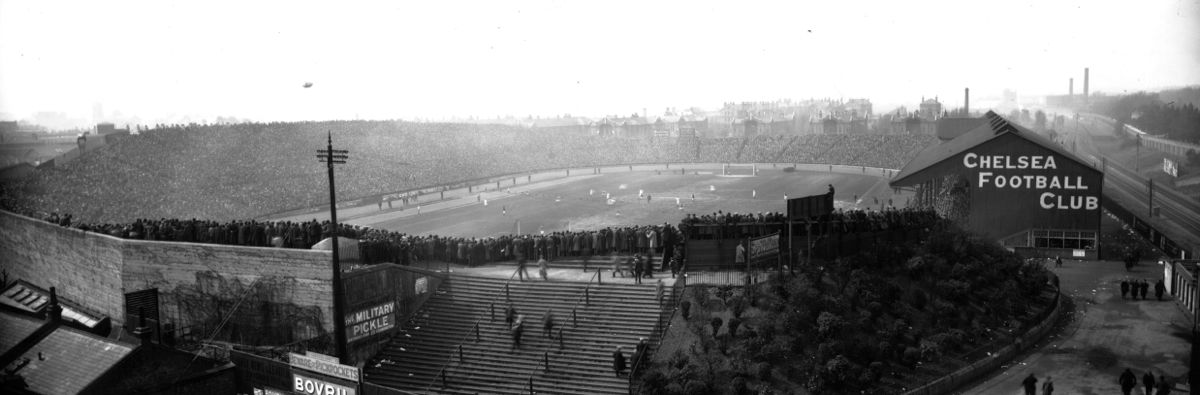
(370, 321)
(1061, 192)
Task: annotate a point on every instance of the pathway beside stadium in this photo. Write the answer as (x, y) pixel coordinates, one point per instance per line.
(1104, 335)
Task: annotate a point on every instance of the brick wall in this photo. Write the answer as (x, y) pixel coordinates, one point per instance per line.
(84, 268)
(272, 296)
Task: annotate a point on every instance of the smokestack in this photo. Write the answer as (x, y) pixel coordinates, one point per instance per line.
(1085, 83)
(967, 102)
(1071, 90)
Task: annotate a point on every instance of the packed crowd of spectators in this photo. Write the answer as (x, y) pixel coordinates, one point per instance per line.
(236, 171)
(737, 225)
(376, 245)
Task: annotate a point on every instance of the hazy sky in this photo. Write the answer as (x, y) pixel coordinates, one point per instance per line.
(432, 59)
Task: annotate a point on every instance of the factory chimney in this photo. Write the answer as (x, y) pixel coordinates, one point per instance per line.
(967, 102)
(1085, 83)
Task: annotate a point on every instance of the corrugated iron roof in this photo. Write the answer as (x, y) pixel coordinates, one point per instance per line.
(993, 127)
(66, 361)
(14, 328)
(28, 297)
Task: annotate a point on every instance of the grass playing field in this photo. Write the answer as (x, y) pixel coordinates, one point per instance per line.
(580, 202)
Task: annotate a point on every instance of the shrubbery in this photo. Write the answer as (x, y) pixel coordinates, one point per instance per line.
(845, 325)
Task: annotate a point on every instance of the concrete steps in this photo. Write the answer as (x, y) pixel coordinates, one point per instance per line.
(579, 363)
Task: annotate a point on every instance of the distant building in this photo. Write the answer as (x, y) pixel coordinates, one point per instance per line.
(692, 127)
(8, 127)
(567, 125)
(931, 109)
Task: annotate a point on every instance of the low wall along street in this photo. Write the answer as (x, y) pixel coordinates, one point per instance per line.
(275, 295)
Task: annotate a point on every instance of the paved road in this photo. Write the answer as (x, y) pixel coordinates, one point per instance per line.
(1105, 335)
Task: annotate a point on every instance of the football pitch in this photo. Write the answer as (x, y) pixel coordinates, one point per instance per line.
(588, 202)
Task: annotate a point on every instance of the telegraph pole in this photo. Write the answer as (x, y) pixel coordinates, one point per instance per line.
(331, 157)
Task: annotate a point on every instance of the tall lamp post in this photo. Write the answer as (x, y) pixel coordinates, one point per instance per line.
(331, 157)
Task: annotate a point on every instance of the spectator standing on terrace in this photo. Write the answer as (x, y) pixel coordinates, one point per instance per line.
(637, 268)
(739, 257)
(648, 268)
(1159, 288)
(510, 316)
(668, 243)
(522, 271)
(543, 266)
(1148, 381)
(1144, 287)
(517, 330)
(548, 324)
(618, 361)
(616, 265)
(640, 351)
(1048, 387)
(1124, 288)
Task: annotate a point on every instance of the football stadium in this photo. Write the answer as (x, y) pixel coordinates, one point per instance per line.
(216, 239)
(589, 198)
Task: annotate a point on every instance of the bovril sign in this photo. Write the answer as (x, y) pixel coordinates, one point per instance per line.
(310, 386)
(1062, 192)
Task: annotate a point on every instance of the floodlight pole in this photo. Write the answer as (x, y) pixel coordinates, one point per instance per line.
(331, 157)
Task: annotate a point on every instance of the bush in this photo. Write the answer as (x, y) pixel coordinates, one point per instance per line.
(655, 382)
(917, 299)
(716, 325)
(724, 292)
(911, 356)
(876, 368)
(829, 324)
(737, 306)
(738, 386)
(762, 371)
(930, 349)
(695, 387)
(734, 323)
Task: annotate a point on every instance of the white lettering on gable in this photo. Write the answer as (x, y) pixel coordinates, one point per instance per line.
(972, 160)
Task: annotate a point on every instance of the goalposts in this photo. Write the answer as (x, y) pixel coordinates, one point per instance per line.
(743, 170)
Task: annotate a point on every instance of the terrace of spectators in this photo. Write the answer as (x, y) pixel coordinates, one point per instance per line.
(238, 171)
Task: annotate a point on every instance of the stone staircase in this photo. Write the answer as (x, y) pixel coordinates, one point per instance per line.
(457, 345)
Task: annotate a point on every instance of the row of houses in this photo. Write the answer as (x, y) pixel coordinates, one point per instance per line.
(750, 119)
(716, 126)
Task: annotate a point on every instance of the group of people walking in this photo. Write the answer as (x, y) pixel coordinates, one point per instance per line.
(1133, 288)
(1160, 386)
(1128, 381)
